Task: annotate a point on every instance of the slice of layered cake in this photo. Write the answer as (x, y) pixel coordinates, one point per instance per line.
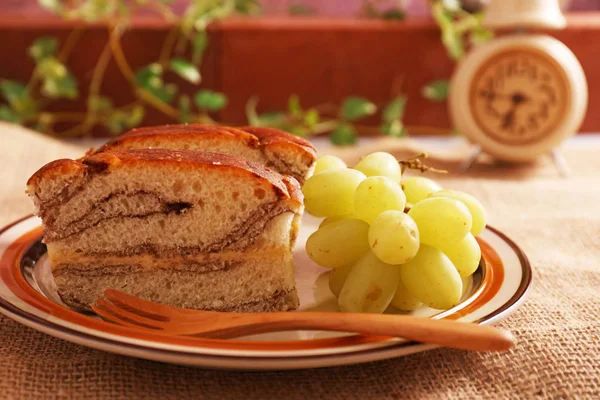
(285, 153)
(186, 228)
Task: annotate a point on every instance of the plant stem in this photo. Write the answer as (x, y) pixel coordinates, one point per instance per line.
(115, 44)
(168, 45)
(164, 10)
(60, 117)
(114, 38)
(95, 85)
(324, 126)
(69, 45)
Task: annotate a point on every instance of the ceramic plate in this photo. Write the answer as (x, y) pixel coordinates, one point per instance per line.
(27, 295)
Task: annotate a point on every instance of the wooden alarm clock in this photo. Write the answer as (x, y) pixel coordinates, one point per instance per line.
(517, 97)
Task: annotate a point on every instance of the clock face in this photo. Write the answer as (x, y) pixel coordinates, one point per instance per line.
(519, 96)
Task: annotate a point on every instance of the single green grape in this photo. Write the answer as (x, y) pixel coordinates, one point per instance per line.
(380, 164)
(370, 286)
(375, 195)
(403, 299)
(394, 237)
(432, 278)
(339, 243)
(475, 208)
(331, 193)
(440, 220)
(337, 218)
(464, 254)
(337, 278)
(417, 188)
(328, 162)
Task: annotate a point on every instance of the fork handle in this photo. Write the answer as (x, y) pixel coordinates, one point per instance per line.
(447, 333)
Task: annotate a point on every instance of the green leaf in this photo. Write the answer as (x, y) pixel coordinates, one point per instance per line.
(395, 109)
(251, 114)
(294, 108)
(344, 134)
(454, 44)
(199, 44)
(19, 98)
(99, 104)
(354, 108)
(451, 5)
(120, 120)
(481, 35)
(248, 7)
(8, 115)
(51, 68)
(311, 118)
(166, 93)
(94, 10)
(273, 119)
(436, 90)
(184, 69)
(393, 128)
(150, 70)
(13, 91)
(297, 130)
(394, 14)
(54, 6)
(210, 100)
(135, 116)
(67, 87)
(300, 9)
(150, 79)
(43, 47)
(64, 86)
(185, 109)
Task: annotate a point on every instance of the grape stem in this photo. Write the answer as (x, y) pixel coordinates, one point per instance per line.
(414, 162)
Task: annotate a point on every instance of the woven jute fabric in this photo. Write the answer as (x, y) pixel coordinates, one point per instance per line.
(556, 222)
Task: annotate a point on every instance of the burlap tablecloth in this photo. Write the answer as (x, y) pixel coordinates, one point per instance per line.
(556, 221)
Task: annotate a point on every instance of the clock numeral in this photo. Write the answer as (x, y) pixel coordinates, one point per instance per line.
(532, 122)
(511, 69)
(529, 69)
(549, 92)
(544, 110)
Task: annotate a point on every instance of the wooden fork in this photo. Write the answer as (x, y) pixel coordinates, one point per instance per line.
(131, 311)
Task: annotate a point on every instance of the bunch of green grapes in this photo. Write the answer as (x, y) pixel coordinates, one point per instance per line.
(389, 240)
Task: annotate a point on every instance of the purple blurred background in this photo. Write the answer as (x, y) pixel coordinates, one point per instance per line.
(326, 8)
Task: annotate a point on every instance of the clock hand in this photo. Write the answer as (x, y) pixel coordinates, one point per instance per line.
(516, 98)
(508, 120)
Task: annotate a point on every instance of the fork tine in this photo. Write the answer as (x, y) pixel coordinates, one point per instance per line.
(107, 316)
(128, 316)
(153, 310)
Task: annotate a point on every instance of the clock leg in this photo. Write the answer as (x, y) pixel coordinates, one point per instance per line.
(466, 164)
(561, 163)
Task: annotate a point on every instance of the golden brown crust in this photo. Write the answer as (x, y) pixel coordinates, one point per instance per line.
(56, 167)
(99, 162)
(188, 130)
(254, 137)
(270, 136)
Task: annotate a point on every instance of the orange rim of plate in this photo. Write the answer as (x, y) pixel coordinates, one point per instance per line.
(11, 274)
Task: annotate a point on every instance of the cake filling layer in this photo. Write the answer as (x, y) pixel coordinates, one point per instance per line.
(164, 234)
(202, 262)
(250, 282)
